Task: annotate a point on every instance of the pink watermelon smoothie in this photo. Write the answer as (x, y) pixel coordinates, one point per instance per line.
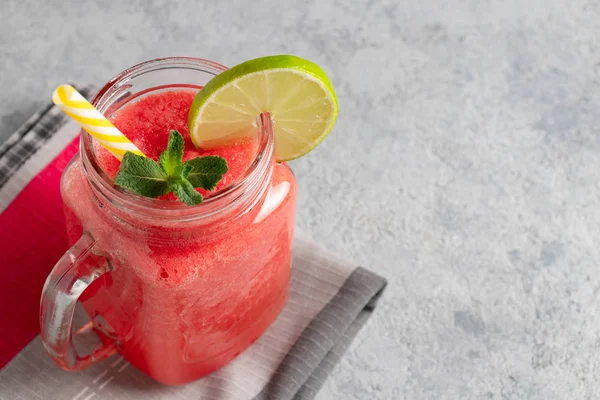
(184, 297)
(147, 123)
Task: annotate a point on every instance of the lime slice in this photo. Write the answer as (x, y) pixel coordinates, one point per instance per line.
(296, 92)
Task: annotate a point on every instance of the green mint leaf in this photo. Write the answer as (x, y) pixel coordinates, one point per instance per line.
(142, 175)
(187, 194)
(205, 172)
(170, 159)
(149, 178)
(185, 171)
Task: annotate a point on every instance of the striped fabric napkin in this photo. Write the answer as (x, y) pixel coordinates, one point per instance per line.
(329, 302)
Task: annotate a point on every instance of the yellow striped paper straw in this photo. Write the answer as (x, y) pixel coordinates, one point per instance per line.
(72, 103)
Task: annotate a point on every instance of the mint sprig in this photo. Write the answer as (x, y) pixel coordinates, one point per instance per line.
(149, 178)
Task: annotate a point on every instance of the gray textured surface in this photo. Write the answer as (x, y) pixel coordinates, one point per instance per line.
(464, 167)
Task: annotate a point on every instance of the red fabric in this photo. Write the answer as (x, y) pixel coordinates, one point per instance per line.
(32, 239)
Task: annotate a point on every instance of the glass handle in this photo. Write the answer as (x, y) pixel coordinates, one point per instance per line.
(73, 273)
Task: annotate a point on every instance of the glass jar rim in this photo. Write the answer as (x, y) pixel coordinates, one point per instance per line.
(228, 197)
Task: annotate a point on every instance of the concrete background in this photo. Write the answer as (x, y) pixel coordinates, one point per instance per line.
(464, 167)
